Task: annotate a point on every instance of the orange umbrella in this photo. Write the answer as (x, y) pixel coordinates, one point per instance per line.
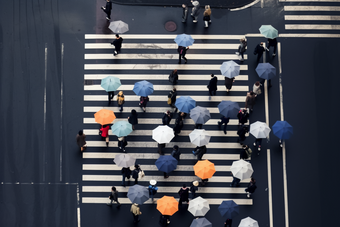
(204, 169)
(104, 116)
(167, 205)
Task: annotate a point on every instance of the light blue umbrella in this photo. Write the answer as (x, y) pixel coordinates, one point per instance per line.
(184, 40)
(228, 209)
(166, 163)
(143, 88)
(265, 71)
(110, 83)
(229, 109)
(200, 115)
(138, 194)
(121, 128)
(230, 69)
(185, 104)
(269, 31)
(283, 130)
(201, 222)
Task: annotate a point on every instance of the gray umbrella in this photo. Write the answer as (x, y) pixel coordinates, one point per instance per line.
(119, 27)
(201, 222)
(200, 115)
(138, 194)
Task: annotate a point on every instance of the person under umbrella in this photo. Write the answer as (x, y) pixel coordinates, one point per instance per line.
(176, 152)
(164, 220)
(118, 44)
(228, 82)
(122, 143)
(182, 51)
(235, 182)
(183, 195)
(224, 121)
(152, 189)
(200, 222)
(250, 101)
(272, 43)
(228, 209)
(228, 108)
(133, 118)
(283, 130)
(194, 188)
(259, 130)
(143, 101)
(242, 116)
(104, 132)
(126, 173)
(166, 164)
(167, 205)
(198, 207)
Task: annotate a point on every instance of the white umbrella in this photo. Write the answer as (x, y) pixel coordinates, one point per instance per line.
(163, 134)
(124, 160)
(259, 129)
(199, 137)
(198, 206)
(248, 222)
(241, 169)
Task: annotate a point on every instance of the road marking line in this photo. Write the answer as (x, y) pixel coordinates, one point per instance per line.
(139, 36)
(311, 17)
(313, 26)
(311, 8)
(45, 84)
(114, 167)
(309, 0)
(300, 35)
(61, 112)
(245, 7)
(78, 206)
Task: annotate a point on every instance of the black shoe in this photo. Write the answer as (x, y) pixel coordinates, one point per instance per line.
(179, 62)
(185, 61)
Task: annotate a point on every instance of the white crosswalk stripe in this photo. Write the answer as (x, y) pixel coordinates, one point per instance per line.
(99, 172)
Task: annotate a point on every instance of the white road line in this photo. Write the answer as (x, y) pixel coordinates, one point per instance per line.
(113, 167)
(311, 8)
(270, 198)
(309, 0)
(300, 35)
(313, 26)
(246, 6)
(61, 113)
(139, 36)
(311, 17)
(78, 207)
(45, 84)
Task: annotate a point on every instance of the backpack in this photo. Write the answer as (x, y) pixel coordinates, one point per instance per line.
(169, 101)
(120, 100)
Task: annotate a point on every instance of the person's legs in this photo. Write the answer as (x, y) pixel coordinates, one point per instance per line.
(242, 54)
(185, 59)
(225, 128)
(259, 55)
(210, 93)
(179, 58)
(123, 180)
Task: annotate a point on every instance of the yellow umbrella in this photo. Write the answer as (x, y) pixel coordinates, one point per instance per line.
(104, 116)
(204, 169)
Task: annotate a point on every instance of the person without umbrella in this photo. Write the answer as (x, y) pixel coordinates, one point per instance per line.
(118, 44)
(259, 49)
(183, 195)
(206, 16)
(179, 123)
(242, 116)
(257, 88)
(195, 10)
(182, 51)
(176, 153)
(242, 49)
(126, 173)
(185, 13)
(81, 140)
(272, 43)
(212, 86)
(167, 116)
(152, 189)
(164, 220)
(224, 121)
(133, 118)
(122, 142)
(200, 151)
(250, 101)
(114, 197)
(257, 143)
(241, 132)
(173, 77)
(135, 173)
(135, 210)
(172, 96)
(143, 101)
(120, 100)
(228, 82)
(247, 151)
(104, 132)
(251, 187)
(110, 94)
(107, 9)
(194, 188)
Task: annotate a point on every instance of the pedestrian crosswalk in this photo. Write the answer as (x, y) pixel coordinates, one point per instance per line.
(315, 16)
(152, 58)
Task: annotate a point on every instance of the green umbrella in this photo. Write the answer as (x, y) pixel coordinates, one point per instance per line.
(269, 31)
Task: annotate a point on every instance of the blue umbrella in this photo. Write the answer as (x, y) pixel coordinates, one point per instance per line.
(265, 71)
(269, 31)
(121, 128)
(166, 163)
(143, 88)
(200, 115)
(229, 109)
(230, 69)
(138, 194)
(228, 209)
(185, 104)
(201, 222)
(184, 40)
(283, 130)
(110, 83)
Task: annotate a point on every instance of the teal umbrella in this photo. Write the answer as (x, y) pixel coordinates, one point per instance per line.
(110, 83)
(269, 31)
(121, 128)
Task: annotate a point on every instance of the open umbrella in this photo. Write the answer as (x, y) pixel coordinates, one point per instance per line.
(119, 27)
(229, 109)
(138, 194)
(124, 160)
(230, 69)
(110, 83)
(163, 134)
(248, 222)
(198, 206)
(283, 130)
(200, 115)
(121, 128)
(201, 222)
(204, 169)
(184, 40)
(259, 130)
(166, 163)
(167, 205)
(265, 71)
(269, 31)
(241, 169)
(185, 104)
(104, 116)
(199, 137)
(143, 88)
(229, 209)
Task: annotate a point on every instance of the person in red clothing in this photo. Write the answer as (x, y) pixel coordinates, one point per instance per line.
(104, 132)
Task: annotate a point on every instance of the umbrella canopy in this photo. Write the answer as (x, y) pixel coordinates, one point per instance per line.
(124, 160)
(248, 222)
(163, 134)
(104, 116)
(138, 194)
(200, 115)
(143, 88)
(199, 137)
(204, 169)
(119, 27)
(201, 222)
(241, 169)
(121, 128)
(230, 69)
(229, 209)
(259, 129)
(110, 83)
(184, 40)
(269, 31)
(167, 205)
(185, 104)
(265, 71)
(198, 206)
(166, 163)
(283, 130)
(229, 109)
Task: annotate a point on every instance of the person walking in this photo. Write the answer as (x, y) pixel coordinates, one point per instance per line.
(257, 88)
(198, 126)
(122, 143)
(243, 154)
(241, 132)
(194, 188)
(81, 140)
(176, 153)
(173, 77)
(228, 82)
(242, 116)
(183, 195)
(120, 100)
(152, 189)
(182, 51)
(247, 150)
(235, 182)
(104, 132)
(135, 173)
(107, 9)
(114, 197)
(164, 220)
(212, 86)
(224, 121)
(135, 210)
(259, 49)
(143, 102)
(126, 173)
(228, 223)
(185, 13)
(110, 94)
(167, 116)
(272, 43)
(179, 123)
(257, 143)
(206, 16)
(242, 49)
(118, 44)
(172, 96)
(251, 187)
(133, 118)
(200, 151)
(195, 10)
(250, 101)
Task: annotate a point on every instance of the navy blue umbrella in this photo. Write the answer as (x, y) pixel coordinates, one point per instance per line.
(228, 209)
(283, 130)
(265, 71)
(229, 109)
(166, 163)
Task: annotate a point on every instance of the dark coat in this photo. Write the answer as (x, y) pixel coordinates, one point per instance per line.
(182, 50)
(163, 220)
(213, 84)
(272, 42)
(108, 6)
(133, 119)
(178, 124)
(250, 101)
(143, 101)
(118, 43)
(166, 119)
(135, 173)
(176, 154)
(193, 188)
(173, 77)
(224, 120)
(173, 96)
(184, 194)
(251, 187)
(259, 49)
(200, 151)
(228, 82)
(243, 154)
(114, 196)
(126, 171)
(242, 117)
(242, 132)
(242, 47)
(122, 143)
(81, 140)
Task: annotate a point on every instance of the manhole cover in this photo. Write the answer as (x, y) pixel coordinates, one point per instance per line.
(170, 26)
